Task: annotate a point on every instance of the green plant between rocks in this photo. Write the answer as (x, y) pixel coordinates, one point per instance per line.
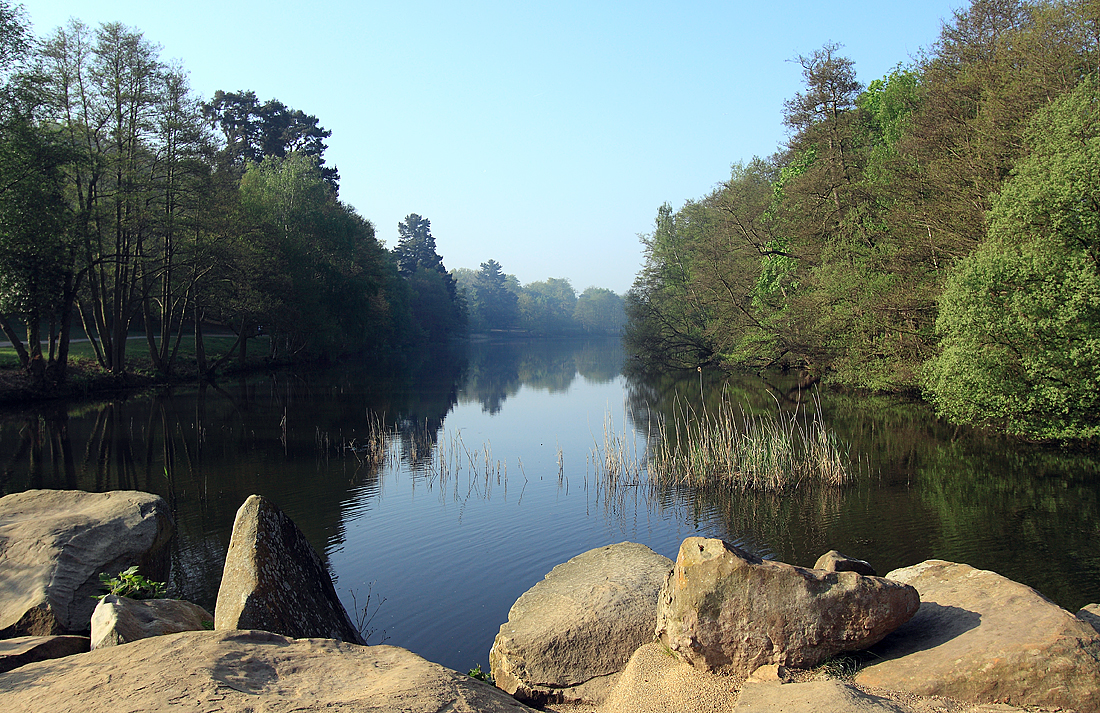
(480, 675)
(129, 583)
(843, 667)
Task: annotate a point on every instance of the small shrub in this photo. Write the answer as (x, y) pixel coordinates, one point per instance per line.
(129, 583)
(480, 675)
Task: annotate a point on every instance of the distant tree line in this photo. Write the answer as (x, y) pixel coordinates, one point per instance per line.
(936, 230)
(130, 206)
(498, 302)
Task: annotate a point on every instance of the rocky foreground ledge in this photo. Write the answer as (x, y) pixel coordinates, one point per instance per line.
(618, 629)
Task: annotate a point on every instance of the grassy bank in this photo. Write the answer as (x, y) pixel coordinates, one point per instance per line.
(86, 378)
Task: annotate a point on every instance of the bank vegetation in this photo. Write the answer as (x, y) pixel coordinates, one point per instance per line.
(936, 230)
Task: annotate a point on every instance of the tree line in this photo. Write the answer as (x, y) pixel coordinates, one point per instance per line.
(453, 302)
(935, 231)
(498, 302)
(130, 206)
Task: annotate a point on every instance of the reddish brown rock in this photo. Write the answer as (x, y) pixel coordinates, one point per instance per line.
(726, 610)
(1090, 614)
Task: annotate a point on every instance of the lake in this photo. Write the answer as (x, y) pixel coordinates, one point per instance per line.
(440, 492)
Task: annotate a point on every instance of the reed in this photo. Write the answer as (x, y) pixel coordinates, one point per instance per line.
(374, 448)
(729, 448)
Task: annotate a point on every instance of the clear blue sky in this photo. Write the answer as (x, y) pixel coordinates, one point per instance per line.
(544, 135)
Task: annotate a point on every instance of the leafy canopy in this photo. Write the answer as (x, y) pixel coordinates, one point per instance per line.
(1020, 317)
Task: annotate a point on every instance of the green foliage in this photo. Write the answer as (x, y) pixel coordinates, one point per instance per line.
(129, 583)
(834, 255)
(496, 304)
(438, 311)
(480, 675)
(600, 311)
(547, 306)
(318, 273)
(1020, 317)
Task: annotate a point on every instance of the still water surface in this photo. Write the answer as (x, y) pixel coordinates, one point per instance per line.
(489, 478)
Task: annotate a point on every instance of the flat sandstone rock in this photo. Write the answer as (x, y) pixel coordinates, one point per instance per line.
(813, 697)
(982, 638)
(23, 650)
(239, 671)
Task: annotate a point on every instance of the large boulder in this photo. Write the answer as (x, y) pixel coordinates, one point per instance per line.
(23, 650)
(121, 620)
(55, 543)
(246, 671)
(274, 580)
(569, 635)
(983, 638)
(723, 609)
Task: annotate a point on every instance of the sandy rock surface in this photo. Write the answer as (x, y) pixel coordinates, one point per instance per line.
(654, 681)
(983, 638)
(23, 650)
(246, 671)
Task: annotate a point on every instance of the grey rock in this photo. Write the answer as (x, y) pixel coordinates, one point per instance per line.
(23, 650)
(833, 561)
(982, 638)
(567, 637)
(55, 543)
(274, 580)
(723, 609)
(239, 671)
(121, 620)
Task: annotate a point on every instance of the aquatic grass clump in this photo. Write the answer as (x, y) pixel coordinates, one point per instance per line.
(730, 448)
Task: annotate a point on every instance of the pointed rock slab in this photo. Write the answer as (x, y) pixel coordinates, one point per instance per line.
(982, 638)
(723, 609)
(273, 580)
(567, 637)
(55, 543)
(121, 620)
(247, 671)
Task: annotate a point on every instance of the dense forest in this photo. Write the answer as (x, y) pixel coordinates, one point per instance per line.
(130, 206)
(935, 231)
